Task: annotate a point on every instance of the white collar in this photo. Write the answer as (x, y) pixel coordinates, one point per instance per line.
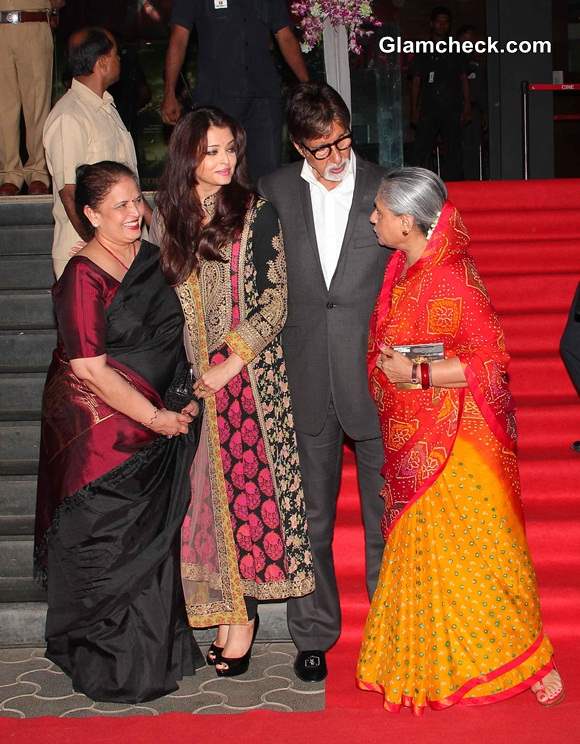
(82, 90)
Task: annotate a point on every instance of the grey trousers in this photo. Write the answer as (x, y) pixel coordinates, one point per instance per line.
(314, 621)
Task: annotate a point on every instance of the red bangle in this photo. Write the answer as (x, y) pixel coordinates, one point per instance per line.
(425, 377)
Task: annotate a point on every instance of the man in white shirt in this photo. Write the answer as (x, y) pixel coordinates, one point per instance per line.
(335, 269)
(84, 127)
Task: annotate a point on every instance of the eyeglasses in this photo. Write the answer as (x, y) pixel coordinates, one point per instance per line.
(322, 152)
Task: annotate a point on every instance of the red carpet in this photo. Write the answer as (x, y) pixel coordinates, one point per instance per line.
(526, 241)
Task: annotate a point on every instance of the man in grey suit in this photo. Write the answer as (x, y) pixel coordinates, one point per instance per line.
(335, 269)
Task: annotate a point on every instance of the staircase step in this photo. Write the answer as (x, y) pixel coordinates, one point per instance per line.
(16, 557)
(22, 309)
(558, 611)
(22, 624)
(25, 240)
(566, 559)
(520, 225)
(19, 447)
(17, 505)
(21, 590)
(26, 351)
(529, 333)
(21, 395)
(550, 292)
(546, 425)
(16, 525)
(529, 197)
(26, 272)
(26, 210)
(538, 467)
(17, 495)
(534, 255)
(539, 375)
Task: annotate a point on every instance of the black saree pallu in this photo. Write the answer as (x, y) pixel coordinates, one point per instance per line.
(116, 622)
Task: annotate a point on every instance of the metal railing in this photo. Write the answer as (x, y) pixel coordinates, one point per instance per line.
(528, 88)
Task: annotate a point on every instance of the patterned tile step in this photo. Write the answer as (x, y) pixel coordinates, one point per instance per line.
(32, 686)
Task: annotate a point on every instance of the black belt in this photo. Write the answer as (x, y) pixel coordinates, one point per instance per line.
(24, 16)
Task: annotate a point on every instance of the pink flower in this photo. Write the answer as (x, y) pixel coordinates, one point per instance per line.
(252, 495)
(354, 14)
(247, 568)
(273, 546)
(270, 514)
(256, 528)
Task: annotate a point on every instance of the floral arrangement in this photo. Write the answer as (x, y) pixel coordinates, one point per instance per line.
(350, 13)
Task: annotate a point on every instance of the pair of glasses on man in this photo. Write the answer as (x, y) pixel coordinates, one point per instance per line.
(322, 152)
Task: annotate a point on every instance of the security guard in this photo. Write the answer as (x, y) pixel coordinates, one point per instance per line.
(235, 69)
(440, 101)
(26, 84)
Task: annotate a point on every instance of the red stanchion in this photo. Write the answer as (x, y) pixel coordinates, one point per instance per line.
(528, 88)
(555, 87)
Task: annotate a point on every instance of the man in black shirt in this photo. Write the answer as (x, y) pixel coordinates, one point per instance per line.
(440, 101)
(472, 134)
(235, 69)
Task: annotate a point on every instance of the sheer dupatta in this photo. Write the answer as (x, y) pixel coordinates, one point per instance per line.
(209, 568)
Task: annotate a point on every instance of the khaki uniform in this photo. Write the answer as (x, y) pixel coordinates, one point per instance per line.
(81, 129)
(25, 85)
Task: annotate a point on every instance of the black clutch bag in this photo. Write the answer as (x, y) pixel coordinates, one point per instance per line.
(180, 391)
(177, 396)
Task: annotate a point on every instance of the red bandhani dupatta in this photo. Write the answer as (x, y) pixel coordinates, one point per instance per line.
(440, 299)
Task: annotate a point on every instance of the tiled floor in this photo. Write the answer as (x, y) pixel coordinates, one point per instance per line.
(31, 686)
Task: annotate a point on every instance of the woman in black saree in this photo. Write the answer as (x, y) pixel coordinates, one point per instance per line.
(113, 483)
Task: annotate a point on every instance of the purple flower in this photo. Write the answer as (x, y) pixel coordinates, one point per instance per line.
(352, 14)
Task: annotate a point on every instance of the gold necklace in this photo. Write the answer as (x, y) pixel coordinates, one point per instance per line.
(110, 252)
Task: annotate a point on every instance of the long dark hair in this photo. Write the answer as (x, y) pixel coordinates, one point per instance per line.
(185, 239)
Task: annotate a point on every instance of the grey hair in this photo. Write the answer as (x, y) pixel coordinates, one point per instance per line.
(417, 192)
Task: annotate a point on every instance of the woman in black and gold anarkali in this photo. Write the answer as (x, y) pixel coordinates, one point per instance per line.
(113, 483)
(244, 538)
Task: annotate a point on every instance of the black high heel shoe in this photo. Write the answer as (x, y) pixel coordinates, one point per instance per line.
(217, 652)
(240, 664)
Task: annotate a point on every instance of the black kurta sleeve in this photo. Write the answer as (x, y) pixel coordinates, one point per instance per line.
(264, 322)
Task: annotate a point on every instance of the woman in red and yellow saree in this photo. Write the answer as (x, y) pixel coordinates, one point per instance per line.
(455, 618)
(113, 476)
(244, 538)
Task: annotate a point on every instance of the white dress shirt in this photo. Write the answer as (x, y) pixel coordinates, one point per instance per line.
(330, 209)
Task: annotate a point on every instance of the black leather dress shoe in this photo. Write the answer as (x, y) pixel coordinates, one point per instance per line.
(310, 666)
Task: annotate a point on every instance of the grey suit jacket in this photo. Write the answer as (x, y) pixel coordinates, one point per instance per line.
(325, 337)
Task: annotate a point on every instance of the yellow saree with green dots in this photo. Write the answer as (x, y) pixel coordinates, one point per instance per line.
(455, 618)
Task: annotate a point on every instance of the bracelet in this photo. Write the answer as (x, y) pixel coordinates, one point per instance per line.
(149, 423)
(425, 375)
(414, 376)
